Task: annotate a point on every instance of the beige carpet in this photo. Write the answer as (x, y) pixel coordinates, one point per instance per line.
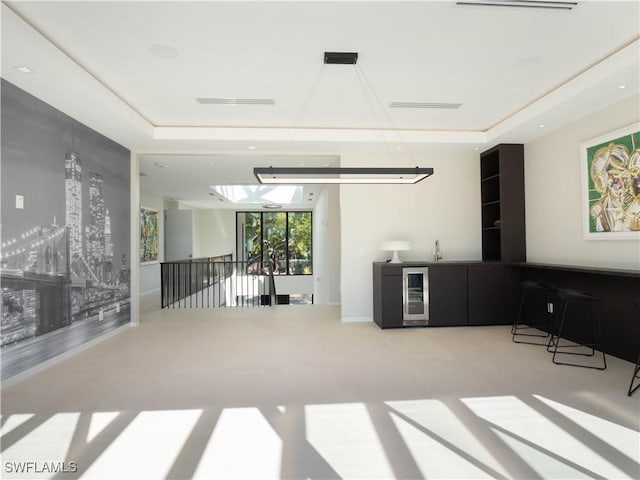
(291, 392)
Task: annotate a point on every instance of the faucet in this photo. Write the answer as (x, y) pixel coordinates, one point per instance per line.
(437, 255)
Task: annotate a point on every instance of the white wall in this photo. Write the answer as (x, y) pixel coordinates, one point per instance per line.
(443, 207)
(334, 250)
(179, 234)
(150, 274)
(553, 191)
(214, 233)
(326, 246)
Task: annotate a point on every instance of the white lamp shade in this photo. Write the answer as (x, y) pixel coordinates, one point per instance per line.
(395, 246)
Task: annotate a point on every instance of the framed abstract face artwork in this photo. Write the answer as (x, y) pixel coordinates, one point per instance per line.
(611, 185)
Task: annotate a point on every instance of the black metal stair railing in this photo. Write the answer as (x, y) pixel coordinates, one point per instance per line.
(216, 282)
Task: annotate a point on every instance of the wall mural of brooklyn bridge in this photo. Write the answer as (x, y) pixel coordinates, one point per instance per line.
(65, 233)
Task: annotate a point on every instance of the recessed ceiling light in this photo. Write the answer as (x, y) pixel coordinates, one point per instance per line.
(541, 125)
(272, 207)
(23, 69)
(160, 165)
(251, 147)
(476, 149)
(622, 87)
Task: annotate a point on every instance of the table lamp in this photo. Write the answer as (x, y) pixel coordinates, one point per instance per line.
(395, 246)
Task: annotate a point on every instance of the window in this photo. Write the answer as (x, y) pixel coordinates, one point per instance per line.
(299, 243)
(285, 238)
(274, 240)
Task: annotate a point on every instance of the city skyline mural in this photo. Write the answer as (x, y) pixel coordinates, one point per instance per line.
(65, 232)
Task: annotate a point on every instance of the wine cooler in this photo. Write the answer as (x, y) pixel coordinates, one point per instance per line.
(415, 296)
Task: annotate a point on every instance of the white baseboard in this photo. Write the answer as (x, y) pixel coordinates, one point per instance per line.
(357, 319)
(63, 356)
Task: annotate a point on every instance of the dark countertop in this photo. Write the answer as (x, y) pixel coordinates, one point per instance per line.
(620, 272)
(444, 263)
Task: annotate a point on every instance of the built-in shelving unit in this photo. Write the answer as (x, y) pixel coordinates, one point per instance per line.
(502, 197)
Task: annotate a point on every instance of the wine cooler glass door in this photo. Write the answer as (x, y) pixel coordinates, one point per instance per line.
(416, 296)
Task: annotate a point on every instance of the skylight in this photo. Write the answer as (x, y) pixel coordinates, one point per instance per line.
(260, 194)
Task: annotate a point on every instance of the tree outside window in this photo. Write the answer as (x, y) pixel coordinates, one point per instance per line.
(253, 236)
(284, 238)
(274, 240)
(300, 258)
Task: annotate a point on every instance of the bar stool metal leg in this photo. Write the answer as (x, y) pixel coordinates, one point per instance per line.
(553, 337)
(636, 370)
(514, 325)
(518, 326)
(574, 297)
(635, 377)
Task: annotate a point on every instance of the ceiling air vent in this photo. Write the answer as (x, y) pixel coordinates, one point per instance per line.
(235, 101)
(450, 106)
(559, 5)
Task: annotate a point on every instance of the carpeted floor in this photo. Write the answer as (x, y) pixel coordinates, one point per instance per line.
(292, 392)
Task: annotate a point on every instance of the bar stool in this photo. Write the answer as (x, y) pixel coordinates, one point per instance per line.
(528, 288)
(636, 370)
(573, 297)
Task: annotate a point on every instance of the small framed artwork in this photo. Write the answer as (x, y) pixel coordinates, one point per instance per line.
(148, 235)
(611, 185)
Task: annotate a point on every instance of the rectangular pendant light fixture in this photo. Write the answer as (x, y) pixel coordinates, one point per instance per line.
(323, 175)
(551, 5)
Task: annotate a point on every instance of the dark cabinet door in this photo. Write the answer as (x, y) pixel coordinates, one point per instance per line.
(489, 293)
(447, 295)
(391, 301)
(387, 295)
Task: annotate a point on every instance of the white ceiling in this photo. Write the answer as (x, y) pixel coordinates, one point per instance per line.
(132, 71)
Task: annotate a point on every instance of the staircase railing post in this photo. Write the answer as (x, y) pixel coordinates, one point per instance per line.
(162, 284)
(272, 286)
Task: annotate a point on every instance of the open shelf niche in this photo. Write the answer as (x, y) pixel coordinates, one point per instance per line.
(502, 200)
